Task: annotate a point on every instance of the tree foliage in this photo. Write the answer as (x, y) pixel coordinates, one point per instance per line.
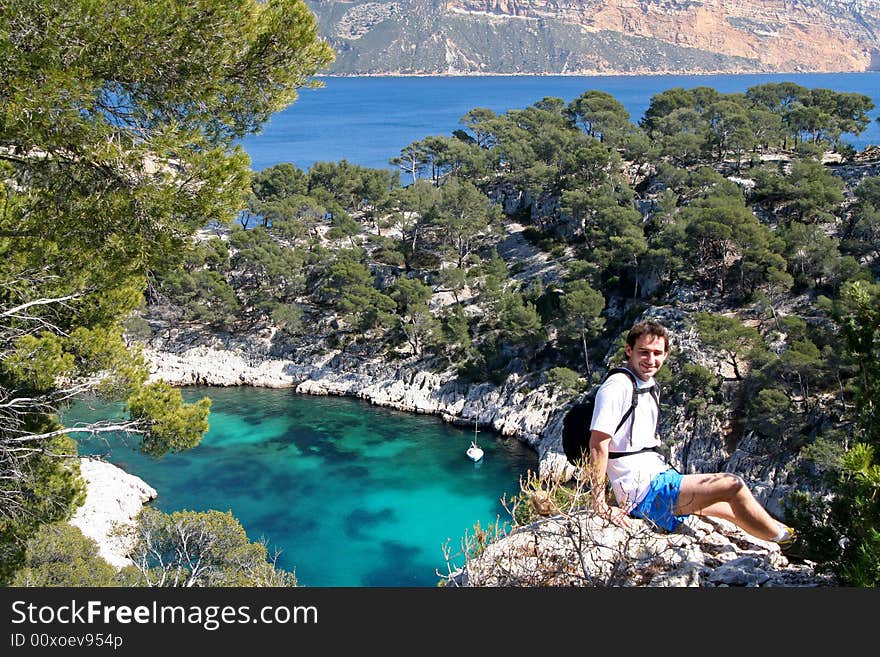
(59, 554)
(110, 158)
(189, 548)
(844, 530)
(736, 341)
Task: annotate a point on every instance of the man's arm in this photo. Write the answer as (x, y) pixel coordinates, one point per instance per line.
(599, 442)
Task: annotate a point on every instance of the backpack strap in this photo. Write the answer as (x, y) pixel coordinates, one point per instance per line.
(617, 455)
(636, 391)
(635, 394)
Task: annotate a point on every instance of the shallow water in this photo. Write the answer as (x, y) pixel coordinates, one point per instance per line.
(353, 494)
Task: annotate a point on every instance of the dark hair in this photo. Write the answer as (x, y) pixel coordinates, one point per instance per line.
(648, 327)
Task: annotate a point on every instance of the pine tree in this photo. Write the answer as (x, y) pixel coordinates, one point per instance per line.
(110, 158)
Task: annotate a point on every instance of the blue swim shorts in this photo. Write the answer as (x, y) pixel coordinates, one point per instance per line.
(658, 506)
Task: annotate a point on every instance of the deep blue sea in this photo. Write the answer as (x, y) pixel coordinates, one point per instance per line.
(352, 494)
(367, 121)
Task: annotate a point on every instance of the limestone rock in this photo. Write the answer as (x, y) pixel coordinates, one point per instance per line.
(585, 550)
(587, 37)
(113, 496)
(409, 385)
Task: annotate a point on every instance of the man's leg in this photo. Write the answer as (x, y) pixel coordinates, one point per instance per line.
(726, 496)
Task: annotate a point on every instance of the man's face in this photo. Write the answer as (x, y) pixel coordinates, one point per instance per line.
(647, 356)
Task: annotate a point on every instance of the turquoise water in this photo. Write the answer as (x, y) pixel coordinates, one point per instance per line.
(353, 494)
(369, 120)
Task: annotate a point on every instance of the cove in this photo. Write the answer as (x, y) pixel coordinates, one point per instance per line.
(354, 495)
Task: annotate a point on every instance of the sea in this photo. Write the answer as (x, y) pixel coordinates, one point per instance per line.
(368, 120)
(347, 493)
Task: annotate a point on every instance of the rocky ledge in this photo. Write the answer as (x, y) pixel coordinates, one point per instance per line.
(585, 550)
(113, 498)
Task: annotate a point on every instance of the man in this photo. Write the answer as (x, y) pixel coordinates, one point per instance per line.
(644, 485)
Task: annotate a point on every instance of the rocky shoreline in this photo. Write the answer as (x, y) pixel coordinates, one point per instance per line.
(517, 408)
(113, 497)
(533, 417)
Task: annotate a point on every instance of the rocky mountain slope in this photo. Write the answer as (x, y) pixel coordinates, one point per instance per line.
(411, 37)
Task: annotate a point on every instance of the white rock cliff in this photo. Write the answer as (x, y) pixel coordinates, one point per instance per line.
(113, 497)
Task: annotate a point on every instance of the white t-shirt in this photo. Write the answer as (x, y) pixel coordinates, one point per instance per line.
(631, 475)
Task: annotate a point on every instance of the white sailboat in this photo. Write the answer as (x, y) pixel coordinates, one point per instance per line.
(474, 452)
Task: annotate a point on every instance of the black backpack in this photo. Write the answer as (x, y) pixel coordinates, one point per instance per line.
(576, 423)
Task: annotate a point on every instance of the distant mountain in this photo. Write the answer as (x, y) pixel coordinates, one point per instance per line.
(588, 37)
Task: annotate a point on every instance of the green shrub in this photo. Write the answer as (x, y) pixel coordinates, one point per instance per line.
(61, 555)
(567, 381)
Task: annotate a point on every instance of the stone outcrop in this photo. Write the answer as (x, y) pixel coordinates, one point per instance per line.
(113, 498)
(584, 550)
(780, 34)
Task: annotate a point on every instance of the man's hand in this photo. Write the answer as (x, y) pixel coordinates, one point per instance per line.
(598, 463)
(614, 514)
